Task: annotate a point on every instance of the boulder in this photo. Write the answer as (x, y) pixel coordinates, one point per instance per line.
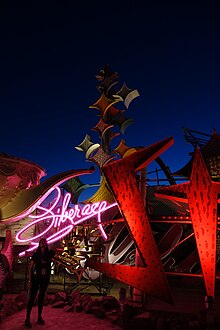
(2, 315)
(59, 296)
(75, 295)
(21, 305)
(85, 300)
(21, 297)
(131, 309)
(89, 308)
(110, 302)
(59, 304)
(69, 308)
(78, 307)
(98, 312)
(10, 307)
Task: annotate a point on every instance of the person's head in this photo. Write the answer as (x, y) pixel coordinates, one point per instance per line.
(43, 243)
(43, 246)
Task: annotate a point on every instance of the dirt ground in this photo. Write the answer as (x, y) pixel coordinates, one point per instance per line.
(58, 319)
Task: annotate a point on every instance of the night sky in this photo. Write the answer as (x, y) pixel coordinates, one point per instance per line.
(51, 52)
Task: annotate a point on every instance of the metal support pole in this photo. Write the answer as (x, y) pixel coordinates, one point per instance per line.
(137, 294)
(210, 312)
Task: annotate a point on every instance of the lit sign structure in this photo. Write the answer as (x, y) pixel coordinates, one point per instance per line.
(62, 218)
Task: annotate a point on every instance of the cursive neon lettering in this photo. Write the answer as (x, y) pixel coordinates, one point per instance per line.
(62, 219)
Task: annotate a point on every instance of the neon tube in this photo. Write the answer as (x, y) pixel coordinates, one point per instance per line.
(63, 219)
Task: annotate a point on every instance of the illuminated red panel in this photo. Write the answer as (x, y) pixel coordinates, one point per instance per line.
(202, 196)
(122, 180)
(143, 279)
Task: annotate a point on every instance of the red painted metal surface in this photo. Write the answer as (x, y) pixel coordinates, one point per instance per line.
(202, 195)
(121, 177)
(142, 278)
(202, 198)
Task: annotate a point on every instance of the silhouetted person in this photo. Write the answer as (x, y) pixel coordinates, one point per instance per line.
(39, 277)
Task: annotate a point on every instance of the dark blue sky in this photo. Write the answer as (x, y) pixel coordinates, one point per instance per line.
(50, 54)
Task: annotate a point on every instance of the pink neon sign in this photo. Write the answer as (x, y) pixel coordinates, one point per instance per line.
(62, 219)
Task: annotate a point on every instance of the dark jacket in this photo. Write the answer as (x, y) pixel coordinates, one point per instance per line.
(42, 266)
